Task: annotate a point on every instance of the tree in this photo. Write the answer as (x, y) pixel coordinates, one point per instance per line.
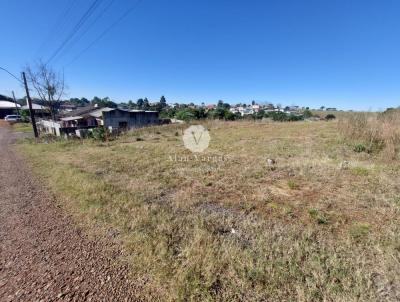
(106, 102)
(229, 116)
(139, 103)
(307, 114)
(131, 104)
(146, 104)
(48, 84)
(96, 100)
(260, 114)
(163, 102)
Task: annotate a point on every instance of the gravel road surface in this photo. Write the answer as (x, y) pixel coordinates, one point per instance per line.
(43, 255)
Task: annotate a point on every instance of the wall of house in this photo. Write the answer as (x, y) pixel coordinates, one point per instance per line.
(49, 127)
(4, 112)
(118, 118)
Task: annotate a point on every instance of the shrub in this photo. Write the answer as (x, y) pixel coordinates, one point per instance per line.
(317, 216)
(185, 115)
(229, 116)
(99, 134)
(307, 114)
(295, 118)
(278, 116)
(359, 148)
(330, 117)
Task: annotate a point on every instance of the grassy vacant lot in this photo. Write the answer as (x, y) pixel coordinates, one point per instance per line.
(323, 224)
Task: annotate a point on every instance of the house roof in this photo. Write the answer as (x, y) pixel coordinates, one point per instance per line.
(137, 110)
(71, 118)
(99, 112)
(94, 112)
(82, 111)
(8, 105)
(34, 107)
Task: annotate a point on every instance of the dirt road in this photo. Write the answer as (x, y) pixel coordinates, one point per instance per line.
(43, 256)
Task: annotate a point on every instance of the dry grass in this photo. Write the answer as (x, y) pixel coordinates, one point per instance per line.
(22, 127)
(377, 132)
(225, 226)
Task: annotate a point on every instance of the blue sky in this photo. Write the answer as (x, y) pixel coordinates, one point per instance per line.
(337, 53)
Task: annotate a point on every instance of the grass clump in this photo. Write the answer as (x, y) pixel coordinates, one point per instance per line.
(293, 185)
(359, 148)
(317, 216)
(360, 230)
(360, 171)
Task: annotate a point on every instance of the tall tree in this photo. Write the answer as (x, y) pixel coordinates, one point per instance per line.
(48, 84)
(163, 102)
(140, 103)
(146, 104)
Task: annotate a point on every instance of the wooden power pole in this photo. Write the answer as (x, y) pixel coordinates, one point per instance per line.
(15, 101)
(30, 106)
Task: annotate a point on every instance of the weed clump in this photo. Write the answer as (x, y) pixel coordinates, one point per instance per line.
(359, 230)
(359, 148)
(317, 216)
(293, 185)
(375, 132)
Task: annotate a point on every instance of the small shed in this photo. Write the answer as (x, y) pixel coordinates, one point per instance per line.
(125, 119)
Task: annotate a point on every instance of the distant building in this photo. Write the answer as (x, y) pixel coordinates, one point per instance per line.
(294, 108)
(39, 110)
(7, 108)
(67, 107)
(256, 108)
(331, 109)
(89, 117)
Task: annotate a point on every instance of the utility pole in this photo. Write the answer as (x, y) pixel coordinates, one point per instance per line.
(15, 101)
(30, 106)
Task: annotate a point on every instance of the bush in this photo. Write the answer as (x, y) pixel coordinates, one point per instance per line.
(278, 116)
(295, 118)
(307, 114)
(359, 148)
(99, 133)
(330, 117)
(229, 116)
(184, 115)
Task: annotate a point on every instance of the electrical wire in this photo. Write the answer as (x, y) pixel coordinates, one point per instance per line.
(116, 22)
(78, 38)
(59, 26)
(76, 28)
(15, 77)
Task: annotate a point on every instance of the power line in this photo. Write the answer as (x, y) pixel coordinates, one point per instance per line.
(78, 38)
(116, 22)
(58, 27)
(76, 28)
(15, 77)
